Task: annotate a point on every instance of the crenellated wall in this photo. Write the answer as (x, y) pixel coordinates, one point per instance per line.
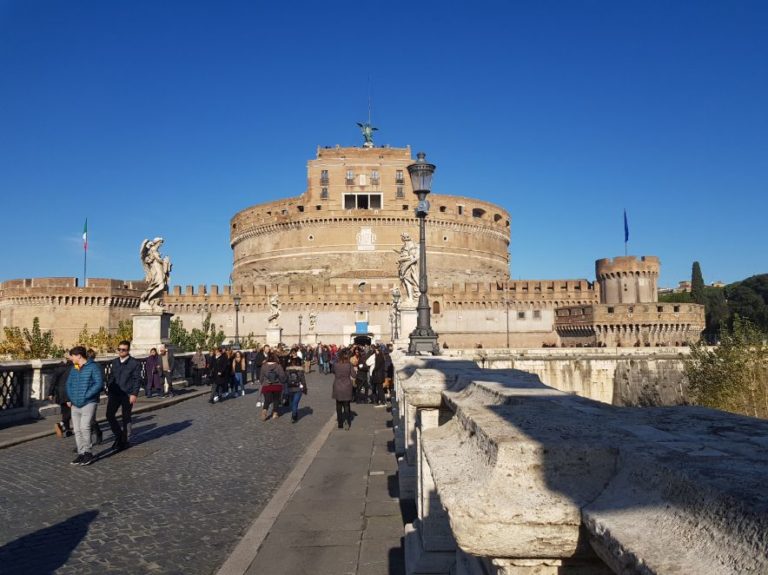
(64, 307)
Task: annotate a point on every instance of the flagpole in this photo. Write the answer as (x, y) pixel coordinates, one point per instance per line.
(85, 253)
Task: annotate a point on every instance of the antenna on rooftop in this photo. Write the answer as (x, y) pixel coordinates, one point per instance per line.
(367, 128)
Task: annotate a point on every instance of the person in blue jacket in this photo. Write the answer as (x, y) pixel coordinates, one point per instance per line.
(84, 386)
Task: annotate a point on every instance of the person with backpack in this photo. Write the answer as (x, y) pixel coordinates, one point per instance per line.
(296, 386)
(272, 379)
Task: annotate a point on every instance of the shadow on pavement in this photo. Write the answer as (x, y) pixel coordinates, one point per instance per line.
(170, 429)
(45, 550)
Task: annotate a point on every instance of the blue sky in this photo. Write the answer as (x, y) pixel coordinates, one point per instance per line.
(165, 118)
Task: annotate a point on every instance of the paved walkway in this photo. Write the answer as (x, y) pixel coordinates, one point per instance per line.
(208, 489)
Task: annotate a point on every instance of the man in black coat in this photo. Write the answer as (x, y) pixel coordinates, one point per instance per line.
(221, 369)
(123, 386)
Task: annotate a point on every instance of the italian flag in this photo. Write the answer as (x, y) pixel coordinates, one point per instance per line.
(85, 235)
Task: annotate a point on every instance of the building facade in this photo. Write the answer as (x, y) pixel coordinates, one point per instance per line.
(330, 256)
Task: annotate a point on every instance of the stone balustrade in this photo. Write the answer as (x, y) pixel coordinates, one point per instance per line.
(511, 476)
(24, 384)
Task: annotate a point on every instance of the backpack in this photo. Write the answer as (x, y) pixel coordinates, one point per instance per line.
(272, 377)
(293, 378)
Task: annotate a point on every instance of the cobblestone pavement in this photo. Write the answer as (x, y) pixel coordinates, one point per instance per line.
(175, 503)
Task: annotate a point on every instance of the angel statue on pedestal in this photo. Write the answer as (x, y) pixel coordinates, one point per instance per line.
(157, 271)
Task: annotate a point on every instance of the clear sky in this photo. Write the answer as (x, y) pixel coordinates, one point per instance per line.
(166, 117)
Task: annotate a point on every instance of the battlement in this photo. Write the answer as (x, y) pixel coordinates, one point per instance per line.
(622, 265)
(67, 285)
(379, 290)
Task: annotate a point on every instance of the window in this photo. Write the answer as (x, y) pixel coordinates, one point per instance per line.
(478, 213)
(521, 315)
(399, 177)
(460, 210)
(300, 208)
(350, 179)
(324, 177)
(362, 201)
(375, 177)
(537, 314)
(659, 308)
(435, 307)
(400, 193)
(324, 194)
(676, 309)
(610, 310)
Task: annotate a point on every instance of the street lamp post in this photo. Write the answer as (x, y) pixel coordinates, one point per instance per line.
(506, 307)
(422, 339)
(236, 300)
(301, 318)
(395, 314)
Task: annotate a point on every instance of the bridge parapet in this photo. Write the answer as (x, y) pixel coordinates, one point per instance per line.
(513, 476)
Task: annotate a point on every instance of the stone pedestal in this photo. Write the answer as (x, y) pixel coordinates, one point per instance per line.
(274, 335)
(150, 329)
(407, 324)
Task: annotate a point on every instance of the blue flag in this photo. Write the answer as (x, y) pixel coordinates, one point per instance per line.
(626, 228)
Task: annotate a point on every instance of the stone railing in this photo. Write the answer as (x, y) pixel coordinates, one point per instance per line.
(24, 384)
(511, 476)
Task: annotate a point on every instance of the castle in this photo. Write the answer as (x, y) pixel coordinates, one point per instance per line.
(330, 255)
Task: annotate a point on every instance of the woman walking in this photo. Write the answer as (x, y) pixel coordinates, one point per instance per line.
(272, 380)
(343, 390)
(296, 386)
(153, 373)
(239, 370)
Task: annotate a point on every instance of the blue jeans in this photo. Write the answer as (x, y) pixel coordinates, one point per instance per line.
(238, 381)
(295, 399)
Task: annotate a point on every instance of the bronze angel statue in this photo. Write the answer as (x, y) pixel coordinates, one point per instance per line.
(367, 129)
(157, 271)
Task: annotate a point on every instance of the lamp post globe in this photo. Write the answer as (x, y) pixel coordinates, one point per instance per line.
(236, 301)
(422, 339)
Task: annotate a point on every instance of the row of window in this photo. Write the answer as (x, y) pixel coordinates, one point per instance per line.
(362, 179)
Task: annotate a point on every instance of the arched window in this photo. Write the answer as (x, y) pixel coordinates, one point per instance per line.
(435, 307)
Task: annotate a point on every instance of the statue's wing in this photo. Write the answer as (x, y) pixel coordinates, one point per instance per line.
(374, 129)
(359, 124)
(143, 250)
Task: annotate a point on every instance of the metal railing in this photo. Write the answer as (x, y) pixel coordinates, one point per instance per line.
(23, 382)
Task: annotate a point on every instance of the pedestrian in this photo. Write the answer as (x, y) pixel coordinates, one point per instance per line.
(258, 361)
(295, 387)
(198, 366)
(343, 389)
(272, 380)
(239, 370)
(58, 394)
(362, 381)
(84, 386)
(123, 384)
(378, 373)
(166, 365)
(97, 435)
(221, 368)
(154, 374)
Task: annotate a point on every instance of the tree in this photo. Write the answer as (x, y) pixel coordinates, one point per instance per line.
(734, 375)
(102, 340)
(749, 299)
(697, 284)
(207, 338)
(25, 344)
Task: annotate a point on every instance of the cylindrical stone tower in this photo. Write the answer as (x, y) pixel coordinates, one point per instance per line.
(627, 279)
